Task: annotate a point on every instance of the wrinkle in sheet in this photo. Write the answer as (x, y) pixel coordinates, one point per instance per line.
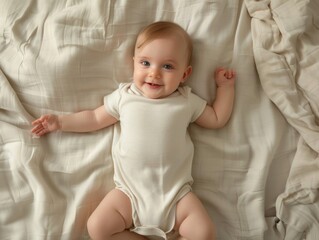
(85, 45)
(287, 34)
(10, 103)
(84, 24)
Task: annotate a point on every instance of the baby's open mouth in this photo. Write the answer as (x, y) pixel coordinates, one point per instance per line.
(154, 84)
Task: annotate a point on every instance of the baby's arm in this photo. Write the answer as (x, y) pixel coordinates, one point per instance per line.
(85, 121)
(217, 115)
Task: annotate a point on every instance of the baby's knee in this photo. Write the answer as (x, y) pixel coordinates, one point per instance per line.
(94, 228)
(208, 231)
(203, 231)
(91, 227)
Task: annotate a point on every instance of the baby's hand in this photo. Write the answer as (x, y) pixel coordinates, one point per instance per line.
(45, 124)
(224, 77)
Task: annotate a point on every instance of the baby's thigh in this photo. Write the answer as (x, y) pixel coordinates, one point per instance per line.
(192, 219)
(112, 215)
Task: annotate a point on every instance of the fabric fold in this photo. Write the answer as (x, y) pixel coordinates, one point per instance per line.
(285, 42)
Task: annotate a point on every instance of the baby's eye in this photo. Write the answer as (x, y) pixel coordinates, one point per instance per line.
(168, 66)
(145, 63)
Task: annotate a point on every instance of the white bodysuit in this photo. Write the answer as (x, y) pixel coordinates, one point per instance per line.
(153, 153)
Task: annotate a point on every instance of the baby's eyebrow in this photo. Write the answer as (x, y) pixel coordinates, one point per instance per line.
(171, 61)
(142, 57)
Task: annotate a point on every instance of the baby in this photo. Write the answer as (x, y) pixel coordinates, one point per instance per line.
(153, 153)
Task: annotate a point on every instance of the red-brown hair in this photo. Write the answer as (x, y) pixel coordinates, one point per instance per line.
(161, 29)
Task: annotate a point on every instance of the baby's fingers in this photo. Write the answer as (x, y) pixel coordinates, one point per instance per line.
(37, 128)
(41, 119)
(39, 131)
(219, 71)
(36, 122)
(230, 74)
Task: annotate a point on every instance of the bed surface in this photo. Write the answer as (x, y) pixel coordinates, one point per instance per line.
(258, 177)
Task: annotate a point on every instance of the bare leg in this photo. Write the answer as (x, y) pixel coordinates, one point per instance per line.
(192, 220)
(111, 219)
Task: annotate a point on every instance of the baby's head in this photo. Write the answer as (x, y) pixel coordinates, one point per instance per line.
(161, 59)
(164, 29)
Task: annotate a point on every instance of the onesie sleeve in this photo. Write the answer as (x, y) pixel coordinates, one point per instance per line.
(197, 106)
(111, 103)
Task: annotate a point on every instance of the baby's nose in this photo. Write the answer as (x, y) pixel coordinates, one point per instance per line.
(155, 73)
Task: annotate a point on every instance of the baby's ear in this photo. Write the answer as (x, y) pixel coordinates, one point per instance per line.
(187, 73)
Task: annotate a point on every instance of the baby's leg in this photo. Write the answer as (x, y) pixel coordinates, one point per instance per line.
(192, 220)
(111, 219)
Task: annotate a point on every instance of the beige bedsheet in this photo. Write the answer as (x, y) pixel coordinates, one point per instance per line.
(258, 177)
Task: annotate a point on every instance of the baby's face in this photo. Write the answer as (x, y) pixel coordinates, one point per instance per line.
(160, 66)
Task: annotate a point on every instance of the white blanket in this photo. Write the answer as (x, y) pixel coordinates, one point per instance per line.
(258, 177)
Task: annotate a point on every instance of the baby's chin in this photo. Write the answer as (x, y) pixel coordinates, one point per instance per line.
(152, 91)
